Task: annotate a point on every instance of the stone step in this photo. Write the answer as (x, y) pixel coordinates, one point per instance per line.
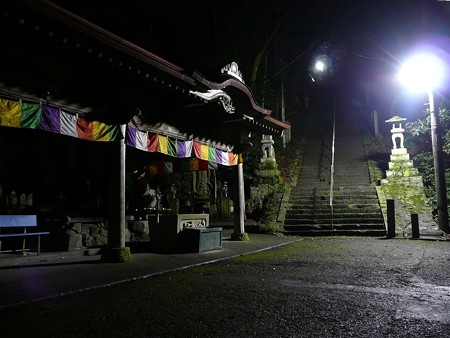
(314, 219)
(311, 173)
(340, 221)
(313, 180)
(326, 209)
(307, 212)
(325, 190)
(361, 209)
(356, 208)
(337, 200)
(337, 183)
(326, 171)
(337, 189)
(352, 174)
(347, 181)
(321, 215)
(355, 177)
(336, 232)
(323, 199)
(328, 226)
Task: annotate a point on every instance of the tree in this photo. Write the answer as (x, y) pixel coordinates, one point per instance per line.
(420, 147)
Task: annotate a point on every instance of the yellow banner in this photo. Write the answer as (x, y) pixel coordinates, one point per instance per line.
(10, 112)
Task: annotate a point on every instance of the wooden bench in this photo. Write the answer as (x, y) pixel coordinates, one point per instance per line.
(21, 222)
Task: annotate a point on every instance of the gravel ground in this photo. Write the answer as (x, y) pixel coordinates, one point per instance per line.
(323, 287)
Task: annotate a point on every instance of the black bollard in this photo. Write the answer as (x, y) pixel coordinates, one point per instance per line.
(390, 218)
(415, 226)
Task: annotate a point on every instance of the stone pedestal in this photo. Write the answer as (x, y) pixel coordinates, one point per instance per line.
(138, 231)
(165, 229)
(174, 204)
(201, 239)
(75, 242)
(404, 184)
(243, 236)
(116, 255)
(225, 212)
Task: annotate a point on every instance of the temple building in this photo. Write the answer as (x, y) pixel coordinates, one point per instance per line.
(87, 118)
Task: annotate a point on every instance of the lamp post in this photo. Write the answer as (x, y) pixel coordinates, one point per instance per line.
(321, 69)
(424, 72)
(439, 168)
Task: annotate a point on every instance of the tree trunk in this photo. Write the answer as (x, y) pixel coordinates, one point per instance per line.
(258, 57)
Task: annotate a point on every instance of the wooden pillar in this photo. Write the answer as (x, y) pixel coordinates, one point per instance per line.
(116, 251)
(239, 207)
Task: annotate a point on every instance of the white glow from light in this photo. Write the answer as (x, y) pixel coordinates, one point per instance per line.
(320, 66)
(423, 72)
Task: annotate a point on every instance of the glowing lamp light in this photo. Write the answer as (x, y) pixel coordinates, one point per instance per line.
(320, 66)
(423, 72)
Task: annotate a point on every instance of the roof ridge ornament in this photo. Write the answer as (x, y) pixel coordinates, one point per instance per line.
(232, 69)
(217, 94)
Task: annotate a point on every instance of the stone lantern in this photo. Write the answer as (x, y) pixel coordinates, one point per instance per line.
(397, 130)
(267, 148)
(400, 163)
(403, 184)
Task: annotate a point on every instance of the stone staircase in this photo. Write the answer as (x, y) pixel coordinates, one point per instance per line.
(355, 209)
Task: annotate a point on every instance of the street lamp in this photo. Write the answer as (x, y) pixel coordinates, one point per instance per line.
(319, 68)
(424, 72)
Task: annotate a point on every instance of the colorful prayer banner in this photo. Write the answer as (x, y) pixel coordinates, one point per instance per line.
(178, 148)
(19, 114)
(182, 165)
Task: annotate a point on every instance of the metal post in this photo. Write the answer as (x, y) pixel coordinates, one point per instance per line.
(390, 218)
(375, 124)
(332, 167)
(439, 170)
(415, 226)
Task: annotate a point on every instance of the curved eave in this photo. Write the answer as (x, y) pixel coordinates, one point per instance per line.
(279, 125)
(234, 84)
(266, 125)
(103, 36)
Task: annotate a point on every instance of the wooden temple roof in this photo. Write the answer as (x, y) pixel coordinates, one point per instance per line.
(52, 54)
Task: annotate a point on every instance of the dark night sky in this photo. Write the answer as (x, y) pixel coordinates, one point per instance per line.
(365, 40)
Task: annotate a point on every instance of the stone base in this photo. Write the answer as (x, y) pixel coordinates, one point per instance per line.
(243, 237)
(75, 241)
(116, 255)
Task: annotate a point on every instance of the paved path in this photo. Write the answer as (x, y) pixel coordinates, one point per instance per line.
(290, 287)
(32, 278)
